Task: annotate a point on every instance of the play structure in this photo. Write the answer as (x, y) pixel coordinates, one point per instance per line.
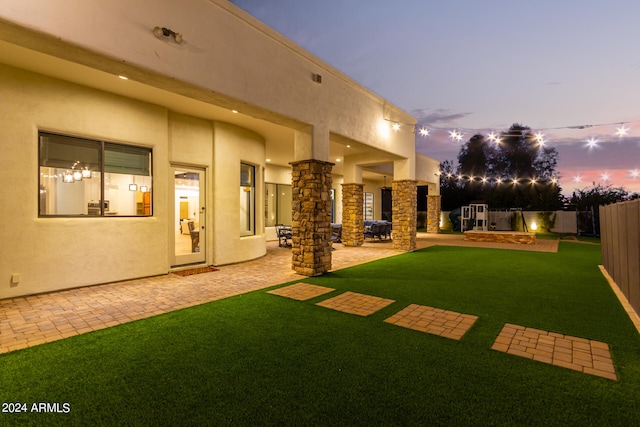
(472, 217)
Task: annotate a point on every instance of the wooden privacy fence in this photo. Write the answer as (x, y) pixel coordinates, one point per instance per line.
(620, 236)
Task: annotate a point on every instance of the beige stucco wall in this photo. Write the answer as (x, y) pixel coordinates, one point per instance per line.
(233, 146)
(45, 251)
(58, 253)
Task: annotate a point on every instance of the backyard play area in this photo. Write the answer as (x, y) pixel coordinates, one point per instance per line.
(277, 357)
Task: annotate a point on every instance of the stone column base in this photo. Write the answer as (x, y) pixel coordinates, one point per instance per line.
(352, 214)
(433, 214)
(405, 211)
(311, 224)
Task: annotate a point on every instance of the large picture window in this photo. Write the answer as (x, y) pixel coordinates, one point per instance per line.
(247, 199)
(84, 177)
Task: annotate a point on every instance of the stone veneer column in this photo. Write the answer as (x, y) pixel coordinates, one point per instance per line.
(352, 214)
(311, 224)
(433, 214)
(404, 210)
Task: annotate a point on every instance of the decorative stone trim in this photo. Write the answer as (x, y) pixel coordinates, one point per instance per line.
(352, 214)
(433, 213)
(404, 212)
(501, 237)
(311, 225)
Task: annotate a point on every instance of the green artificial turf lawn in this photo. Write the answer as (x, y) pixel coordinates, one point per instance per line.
(261, 359)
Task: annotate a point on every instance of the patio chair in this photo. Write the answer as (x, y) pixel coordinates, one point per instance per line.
(336, 233)
(285, 233)
(195, 237)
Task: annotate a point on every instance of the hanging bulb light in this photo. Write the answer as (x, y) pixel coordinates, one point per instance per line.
(424, 131)
(77, 175)
(622, 131)
(67, 177)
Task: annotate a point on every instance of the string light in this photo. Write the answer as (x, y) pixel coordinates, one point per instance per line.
(499, 180)
(494, 138)
(634, 173)
(605, 176)
(455, 135)
(622, 131)
(577, 179)
(396, 127)
(592, 143)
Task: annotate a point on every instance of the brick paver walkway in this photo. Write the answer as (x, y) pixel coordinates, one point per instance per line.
(32, 320)
(301, 291)
(355, 303)
(579, 354)
(448, 324)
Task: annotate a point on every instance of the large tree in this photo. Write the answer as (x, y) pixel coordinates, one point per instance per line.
(517, 171)
(587, 202)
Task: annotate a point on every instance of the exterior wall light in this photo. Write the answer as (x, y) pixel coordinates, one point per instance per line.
(161, 32)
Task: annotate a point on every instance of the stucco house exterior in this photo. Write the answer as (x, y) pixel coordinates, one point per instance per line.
(140, 137)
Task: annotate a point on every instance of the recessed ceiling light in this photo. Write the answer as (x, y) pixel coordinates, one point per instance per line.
(234, 111)
(123, 77)
(348, 146)
(268, 160)
(338, 160)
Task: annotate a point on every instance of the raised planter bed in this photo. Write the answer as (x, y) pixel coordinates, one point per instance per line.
(519, 237)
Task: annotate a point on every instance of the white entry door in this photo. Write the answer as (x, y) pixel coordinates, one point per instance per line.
(188, 223)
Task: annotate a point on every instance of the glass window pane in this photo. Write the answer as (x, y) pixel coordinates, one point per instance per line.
(127, 180)
(284, 204)
(270, 205)
(69, 175)
(247, 200)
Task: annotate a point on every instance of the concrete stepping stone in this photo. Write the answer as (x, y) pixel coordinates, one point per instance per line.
(444, 323)
(301, 291)
(580, 354)
(355, 303)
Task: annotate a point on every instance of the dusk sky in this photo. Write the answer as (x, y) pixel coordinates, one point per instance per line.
(473, 66)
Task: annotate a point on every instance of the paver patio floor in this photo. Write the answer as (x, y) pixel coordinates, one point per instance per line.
(301, 291)
(579, 354)
(448, 324)
(355, 303)
(32, 320)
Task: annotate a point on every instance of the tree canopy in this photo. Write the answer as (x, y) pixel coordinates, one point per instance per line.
(515, 170)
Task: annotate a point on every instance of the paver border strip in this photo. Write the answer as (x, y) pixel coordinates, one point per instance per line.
(635, 319)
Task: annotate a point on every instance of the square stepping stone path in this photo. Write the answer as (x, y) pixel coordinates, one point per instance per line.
(444, 323)
(355, 303)
(301, 291)
(580, 354)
